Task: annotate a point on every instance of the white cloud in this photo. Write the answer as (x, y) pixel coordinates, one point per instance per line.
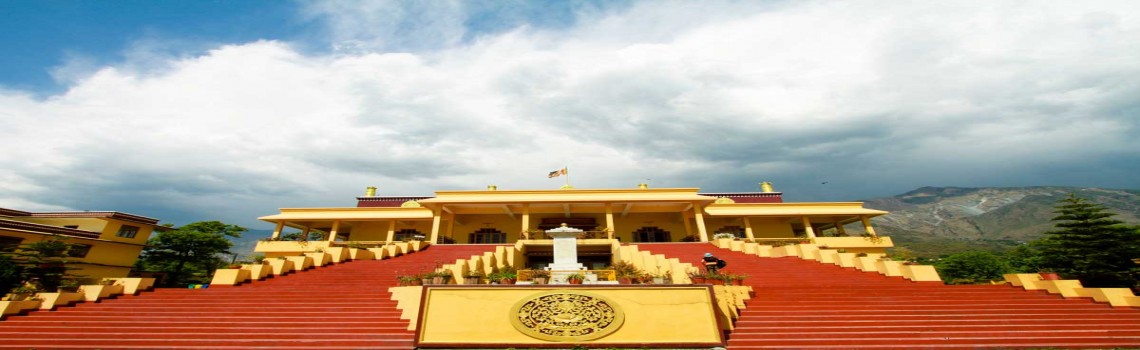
(718, 95)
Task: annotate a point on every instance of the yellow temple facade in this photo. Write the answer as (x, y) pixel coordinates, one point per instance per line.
(105, 244)
(633, 215)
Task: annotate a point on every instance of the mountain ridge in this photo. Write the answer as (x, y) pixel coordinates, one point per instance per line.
(990, 218)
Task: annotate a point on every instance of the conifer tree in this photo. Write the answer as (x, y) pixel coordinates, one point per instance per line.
(1089, 245)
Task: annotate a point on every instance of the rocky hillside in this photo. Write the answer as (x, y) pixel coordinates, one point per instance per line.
(931, 216)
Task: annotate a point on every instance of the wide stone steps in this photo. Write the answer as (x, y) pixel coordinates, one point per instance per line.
(803, 304)
(339, 306)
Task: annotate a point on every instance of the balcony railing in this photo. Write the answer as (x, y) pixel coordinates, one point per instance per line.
(539, 234)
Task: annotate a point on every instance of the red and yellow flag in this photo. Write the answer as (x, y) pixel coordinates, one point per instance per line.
(556, 173)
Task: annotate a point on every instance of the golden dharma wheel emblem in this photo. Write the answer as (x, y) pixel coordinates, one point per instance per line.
(566, 316)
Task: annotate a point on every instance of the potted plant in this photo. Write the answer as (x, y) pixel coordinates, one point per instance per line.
(473, 277)
(719, 278)
(22, 293)
(407, 280)
(625, 272)
(739, 279)
(540, 276)
(508, 276)
(697, 277)
(441, 277)
(660, 278)
(575, 278)
(68, 286)
(724, 235)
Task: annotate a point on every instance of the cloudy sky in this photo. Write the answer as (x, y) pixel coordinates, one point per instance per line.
(228, 110)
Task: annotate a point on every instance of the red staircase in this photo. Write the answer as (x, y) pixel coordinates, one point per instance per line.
(334, 307)
(804, 304)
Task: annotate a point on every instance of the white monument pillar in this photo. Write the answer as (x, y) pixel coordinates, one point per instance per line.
(565, 253)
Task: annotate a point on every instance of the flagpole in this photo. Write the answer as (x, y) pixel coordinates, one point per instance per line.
(567, 169)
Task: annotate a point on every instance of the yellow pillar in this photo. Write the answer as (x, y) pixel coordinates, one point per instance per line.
(688, 227)
(277, 231)
(700, 222)
(525, 233)
(434, 227)
(451, 227)
(748, 228)
(391, 230)
(867, 225)
(839, 230)
(807, 228)
(332, 233)
(610, 220)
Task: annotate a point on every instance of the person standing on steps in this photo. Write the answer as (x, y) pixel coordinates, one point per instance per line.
(712, 263)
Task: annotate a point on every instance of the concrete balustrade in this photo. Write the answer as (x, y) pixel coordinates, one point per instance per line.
(301, 262)
(319, 259)
(94, 292)
(54, 300)
(230, 277)
(258, 272)
(1121, 297)
(280, 267)
(9, 307)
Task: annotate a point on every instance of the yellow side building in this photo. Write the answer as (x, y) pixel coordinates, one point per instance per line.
(105, 243)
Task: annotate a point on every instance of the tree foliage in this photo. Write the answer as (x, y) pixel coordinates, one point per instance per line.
(42, 264)
(971, 267)
(1089, 245)
(11, 273)
(187, 254)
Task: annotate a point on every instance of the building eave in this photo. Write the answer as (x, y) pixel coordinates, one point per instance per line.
(97, 214)
(350, 213)
(792, 209)
(29, 227)
(568, 196)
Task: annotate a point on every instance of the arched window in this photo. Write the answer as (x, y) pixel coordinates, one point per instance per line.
(487, 235)
(651, 234)
(407, 235)
(735, 230)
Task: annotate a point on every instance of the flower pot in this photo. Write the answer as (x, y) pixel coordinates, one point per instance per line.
(697, 279)
(19, 297)
(575, 281)
(738, 282)
(440, 280)
(659, 280)
(625, 280)
(540, 280)
(1049, 276)
(507, 281)
(472, 280)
